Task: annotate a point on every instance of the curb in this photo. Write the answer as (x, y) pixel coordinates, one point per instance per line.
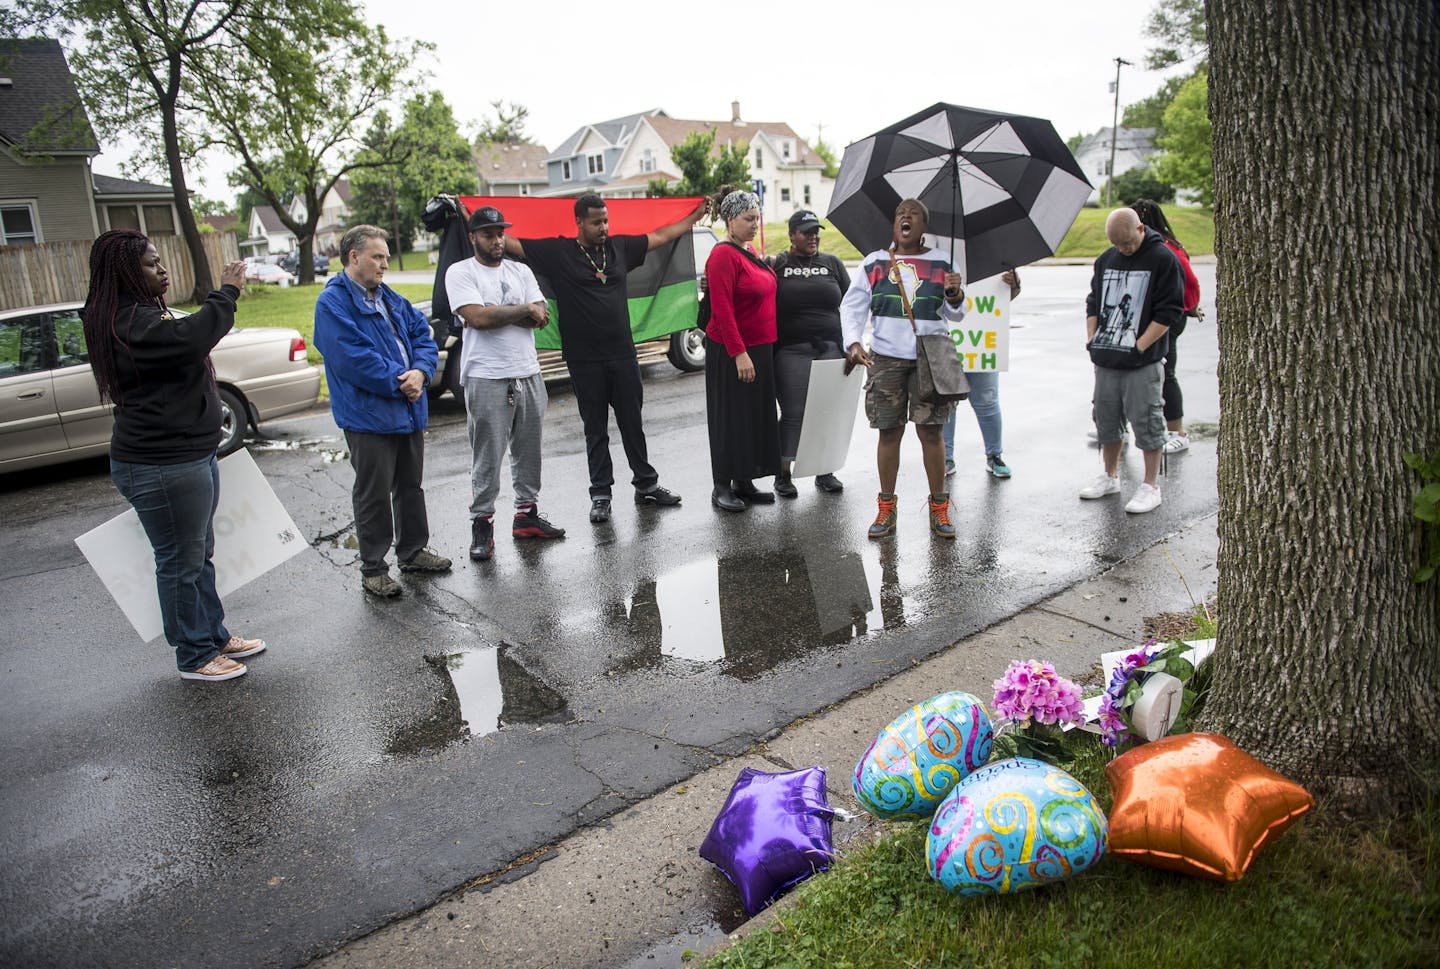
(632, 890)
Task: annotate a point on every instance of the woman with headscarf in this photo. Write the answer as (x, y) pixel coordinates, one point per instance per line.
(1151, 215)
(810, 285)
(156, 370)
(739, 361)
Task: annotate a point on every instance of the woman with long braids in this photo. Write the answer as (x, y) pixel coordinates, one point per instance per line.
(1151, 215)
(739, 355)
(156, 370)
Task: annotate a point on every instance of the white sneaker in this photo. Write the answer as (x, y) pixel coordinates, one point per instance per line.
(1175, 442)
(1101, 486)
(1147, 498)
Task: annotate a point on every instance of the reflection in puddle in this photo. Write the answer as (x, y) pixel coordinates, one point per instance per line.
(750, 612)
(485, 690)
(324, 446)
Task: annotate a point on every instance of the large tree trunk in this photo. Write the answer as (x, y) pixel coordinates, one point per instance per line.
(199, 261)
(1326, 181)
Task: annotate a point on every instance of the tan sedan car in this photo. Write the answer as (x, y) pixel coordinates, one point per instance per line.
(50, 409)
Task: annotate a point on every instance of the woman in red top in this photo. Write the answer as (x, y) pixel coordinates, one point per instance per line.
(739, 361)
(1176, 439)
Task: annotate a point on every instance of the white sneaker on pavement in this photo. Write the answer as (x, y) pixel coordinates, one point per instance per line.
(1101, 486)
(1146, 498)
(1175, 442)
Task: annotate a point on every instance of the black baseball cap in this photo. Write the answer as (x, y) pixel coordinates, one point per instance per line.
(487, 216)
(804, 221)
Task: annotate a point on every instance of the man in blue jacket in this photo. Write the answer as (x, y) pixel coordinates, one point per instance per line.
(379, 357)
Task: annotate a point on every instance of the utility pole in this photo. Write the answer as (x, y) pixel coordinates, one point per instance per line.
(1114, 132)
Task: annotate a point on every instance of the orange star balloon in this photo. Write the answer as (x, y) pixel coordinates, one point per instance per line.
(1197, 804)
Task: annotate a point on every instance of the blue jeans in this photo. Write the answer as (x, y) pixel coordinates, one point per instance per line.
(176, 505)
(985, 401)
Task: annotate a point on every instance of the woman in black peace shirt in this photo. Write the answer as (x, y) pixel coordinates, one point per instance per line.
(810, 285)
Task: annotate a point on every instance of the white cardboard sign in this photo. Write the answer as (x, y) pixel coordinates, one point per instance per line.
(253, 534)
(982, 339)
(830, 406)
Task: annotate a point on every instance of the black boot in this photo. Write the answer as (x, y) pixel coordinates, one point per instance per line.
(785, 486)
(482, 539)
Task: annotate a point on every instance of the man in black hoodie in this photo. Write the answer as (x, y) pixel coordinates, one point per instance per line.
(1136, 295)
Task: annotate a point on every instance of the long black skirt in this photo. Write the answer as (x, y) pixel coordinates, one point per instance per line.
(744, 431)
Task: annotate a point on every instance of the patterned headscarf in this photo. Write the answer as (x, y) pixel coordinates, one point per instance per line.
(735, 203)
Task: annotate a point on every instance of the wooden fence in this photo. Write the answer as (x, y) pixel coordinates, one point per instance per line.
(59, 272)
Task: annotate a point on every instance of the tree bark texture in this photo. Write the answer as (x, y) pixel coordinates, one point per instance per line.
(1327, 176)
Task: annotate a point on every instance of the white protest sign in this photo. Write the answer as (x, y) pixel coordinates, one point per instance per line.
(982, 339)
(253, 534)
(830, 406)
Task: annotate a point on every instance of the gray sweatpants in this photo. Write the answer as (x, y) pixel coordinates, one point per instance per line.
(508, 411)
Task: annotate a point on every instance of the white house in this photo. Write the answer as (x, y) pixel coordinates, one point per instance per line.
(618, 158)
(334, 213)
(267, 233)
(1134, 148)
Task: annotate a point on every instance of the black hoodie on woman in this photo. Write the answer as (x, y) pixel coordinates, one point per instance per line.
(1127, 294)
(168, 408)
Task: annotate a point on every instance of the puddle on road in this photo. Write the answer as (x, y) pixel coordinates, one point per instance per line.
(752, 611)
(485, 691)
(328, 448)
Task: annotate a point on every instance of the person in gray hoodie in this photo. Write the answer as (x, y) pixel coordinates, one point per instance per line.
(1136, 295)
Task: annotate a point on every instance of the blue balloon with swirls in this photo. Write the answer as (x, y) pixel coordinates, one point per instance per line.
(1014, 825)
(921, 755)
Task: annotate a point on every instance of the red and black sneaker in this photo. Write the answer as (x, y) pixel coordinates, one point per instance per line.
(529, 524)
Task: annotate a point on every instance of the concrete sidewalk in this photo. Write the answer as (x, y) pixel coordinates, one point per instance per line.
(633, 891)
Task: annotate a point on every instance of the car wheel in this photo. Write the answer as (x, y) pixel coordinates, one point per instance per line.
(687, 350)
(234, 420)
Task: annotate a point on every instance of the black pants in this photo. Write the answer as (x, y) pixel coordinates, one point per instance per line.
(388, 499)
(792, 386)
(1170, 391)
(600, 386)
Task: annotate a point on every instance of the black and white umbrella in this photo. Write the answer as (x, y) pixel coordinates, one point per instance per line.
(1002, 189)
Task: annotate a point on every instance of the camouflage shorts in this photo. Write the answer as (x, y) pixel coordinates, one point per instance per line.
(891, 396)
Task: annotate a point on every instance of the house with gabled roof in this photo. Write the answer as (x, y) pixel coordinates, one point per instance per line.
(267, 235)
(1133, 148)
(511, 167)
(48, 191)
(46, 144)
(620, 157)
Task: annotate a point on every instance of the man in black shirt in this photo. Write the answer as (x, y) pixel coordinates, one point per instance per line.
(587, 275)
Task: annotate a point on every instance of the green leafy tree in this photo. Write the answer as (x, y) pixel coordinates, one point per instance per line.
(1141, 183)
(427, 155)
(1178, 27)
(508, 125)
(1187, 159)
(1073, 142)
(827, 155)
(703, 168)
(1150, 112)
(280, 105)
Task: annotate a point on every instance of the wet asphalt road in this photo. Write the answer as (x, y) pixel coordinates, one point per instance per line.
(146, 821)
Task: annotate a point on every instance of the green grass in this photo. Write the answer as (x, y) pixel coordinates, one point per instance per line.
(1195, 228)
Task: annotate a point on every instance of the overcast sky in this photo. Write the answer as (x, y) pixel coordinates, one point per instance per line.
(852, 66)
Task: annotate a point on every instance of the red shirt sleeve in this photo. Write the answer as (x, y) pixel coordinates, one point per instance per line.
(722, 276)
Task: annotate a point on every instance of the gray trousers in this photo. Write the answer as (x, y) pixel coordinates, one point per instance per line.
(792, 386)
(388, 499)
(508, 411)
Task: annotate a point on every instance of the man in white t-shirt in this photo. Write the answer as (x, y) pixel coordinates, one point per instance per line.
(505, 395)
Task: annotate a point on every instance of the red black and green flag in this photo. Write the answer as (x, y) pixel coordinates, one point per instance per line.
(662, 292)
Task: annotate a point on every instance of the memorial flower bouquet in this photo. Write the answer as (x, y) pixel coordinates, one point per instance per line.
(1033, 704)
(1127, 684)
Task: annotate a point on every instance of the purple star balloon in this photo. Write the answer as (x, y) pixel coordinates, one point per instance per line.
(773, 831)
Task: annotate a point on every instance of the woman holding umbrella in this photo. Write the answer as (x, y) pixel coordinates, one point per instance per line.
(935, 297)
(739, 361)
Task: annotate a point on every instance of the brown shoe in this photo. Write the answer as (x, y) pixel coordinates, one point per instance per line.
(239, 648)
(219, 668)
